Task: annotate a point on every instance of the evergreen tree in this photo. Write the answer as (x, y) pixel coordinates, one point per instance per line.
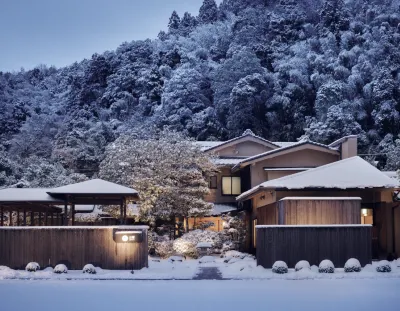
(208, 12)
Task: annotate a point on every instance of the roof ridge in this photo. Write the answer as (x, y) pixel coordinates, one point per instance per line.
(299, 143)
(318, 168)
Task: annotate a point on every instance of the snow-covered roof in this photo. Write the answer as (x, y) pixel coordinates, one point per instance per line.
(219, 209)
(349, 173)
(322, 198)
(285, 143)
(209, 145)
(94, 186)
(287, 168)
(27, 194)
(391, 174)
(205, 145)
(341, 140)
(227, 161)
(288, 147)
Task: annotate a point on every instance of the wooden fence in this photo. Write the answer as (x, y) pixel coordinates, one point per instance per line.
(72, 246)
(291, 244)
(313, 211)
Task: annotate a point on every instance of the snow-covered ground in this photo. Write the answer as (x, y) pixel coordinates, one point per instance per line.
(233, 295)
(230, 268)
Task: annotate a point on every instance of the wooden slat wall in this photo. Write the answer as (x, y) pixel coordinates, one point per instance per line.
(321, 212)
(292, 244)
(74, 247)
(268, 214)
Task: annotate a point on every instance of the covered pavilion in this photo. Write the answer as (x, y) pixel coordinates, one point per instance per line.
(42, 203)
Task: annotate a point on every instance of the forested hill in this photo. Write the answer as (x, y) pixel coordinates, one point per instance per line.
(282, 68)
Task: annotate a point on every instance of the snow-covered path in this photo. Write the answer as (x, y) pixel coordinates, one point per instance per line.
(342, 295)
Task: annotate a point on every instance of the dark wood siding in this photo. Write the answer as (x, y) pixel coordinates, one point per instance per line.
(72, 246)
(268, 214)
(316, 212)
(294, 243)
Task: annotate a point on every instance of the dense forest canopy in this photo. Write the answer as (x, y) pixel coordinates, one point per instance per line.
(282, 68)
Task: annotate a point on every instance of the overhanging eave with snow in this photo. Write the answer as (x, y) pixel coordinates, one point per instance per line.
(351, 173)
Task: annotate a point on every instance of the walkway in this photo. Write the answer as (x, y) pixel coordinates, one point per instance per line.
(208, 273)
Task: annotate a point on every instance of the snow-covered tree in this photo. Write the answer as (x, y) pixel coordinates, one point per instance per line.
(169, 172)
(208, 12)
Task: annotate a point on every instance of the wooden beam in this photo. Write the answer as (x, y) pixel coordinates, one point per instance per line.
(73, 214)
(124, 211)
(66, 214)
(24, 217)
(121, 212)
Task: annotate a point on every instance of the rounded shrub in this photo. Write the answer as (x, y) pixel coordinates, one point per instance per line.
(60, 268)
(302, 264)
(352, 265)
(89, 268)
(326, 266)
(32, 267)
(280, 267)
(383, 266)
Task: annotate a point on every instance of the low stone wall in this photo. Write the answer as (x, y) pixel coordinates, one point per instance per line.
(291, 244)
(75, 246)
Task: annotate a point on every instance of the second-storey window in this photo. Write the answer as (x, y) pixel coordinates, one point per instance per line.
(231, 186)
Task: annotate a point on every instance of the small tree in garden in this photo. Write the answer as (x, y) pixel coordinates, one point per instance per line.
(167, 169)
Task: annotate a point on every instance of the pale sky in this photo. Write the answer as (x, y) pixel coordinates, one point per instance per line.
(59, 32)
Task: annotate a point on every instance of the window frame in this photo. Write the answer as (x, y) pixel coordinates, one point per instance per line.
(210, 184)
(222, 189)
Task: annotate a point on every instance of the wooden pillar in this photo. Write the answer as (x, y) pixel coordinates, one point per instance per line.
(40, 218)
(45, 218)
(10, 219)
(24, 217)
(51, 219)
(66, 214)
(124, 212)
(121, 212)
(1, 216)
(32, 218)
(73, 214)
(18, 218)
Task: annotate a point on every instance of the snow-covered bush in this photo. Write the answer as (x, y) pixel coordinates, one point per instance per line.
(302, 264)
(235, 232)
(89, 268)
(186, 245)
(60, 268)
(383, 266)
(236, 254)
(164, 249)
(280, 267)
(32, 267)
(352, 265)
(326, 266)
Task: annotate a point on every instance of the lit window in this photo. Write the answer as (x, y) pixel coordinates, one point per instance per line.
(231, 186)
(213, 182)
(367, 216)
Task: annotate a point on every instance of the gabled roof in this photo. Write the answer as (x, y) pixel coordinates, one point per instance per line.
(247, 134)
(351, 173)
(274, 152)
(94, 186)
(27, 195)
